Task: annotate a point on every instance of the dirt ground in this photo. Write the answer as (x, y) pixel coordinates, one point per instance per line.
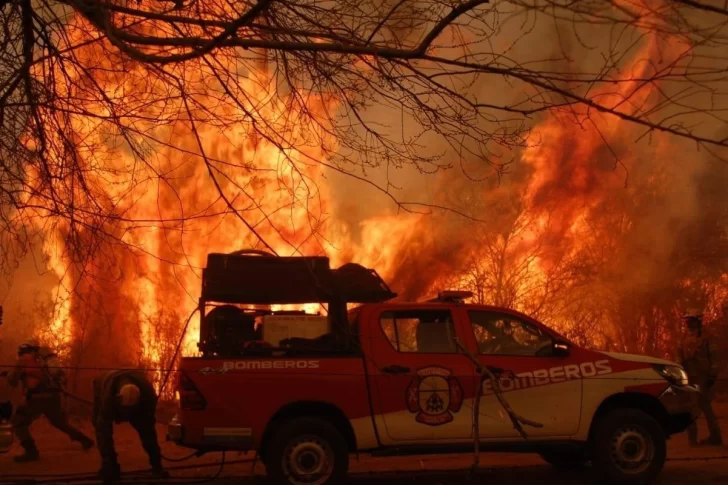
(64, 462)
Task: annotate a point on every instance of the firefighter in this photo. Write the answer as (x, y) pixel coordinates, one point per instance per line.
(42, 386)
(125, 396)
(699, 356)
(6, 406)
(6, 412)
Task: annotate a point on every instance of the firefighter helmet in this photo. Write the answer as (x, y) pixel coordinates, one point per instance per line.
(129, 395)
(693, 313)
(693, 319)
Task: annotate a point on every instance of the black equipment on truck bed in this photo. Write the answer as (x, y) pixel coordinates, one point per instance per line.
(266, 280)
(256, 280)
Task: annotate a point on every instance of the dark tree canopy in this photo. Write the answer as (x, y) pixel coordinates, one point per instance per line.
(367, 84)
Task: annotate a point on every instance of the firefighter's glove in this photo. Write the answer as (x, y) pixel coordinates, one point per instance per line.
(710, 382)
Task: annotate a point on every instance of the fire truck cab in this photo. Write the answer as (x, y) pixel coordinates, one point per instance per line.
(306, 390)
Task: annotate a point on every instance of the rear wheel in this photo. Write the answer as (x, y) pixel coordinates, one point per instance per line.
(307, 451)
(629, 447)
(565, 460)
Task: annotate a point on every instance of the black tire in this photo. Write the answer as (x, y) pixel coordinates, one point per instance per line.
(629, 447)
(566, 460)
(304, 444)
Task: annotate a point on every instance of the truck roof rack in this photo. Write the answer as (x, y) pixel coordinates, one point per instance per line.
(450, 296)
(257, 277)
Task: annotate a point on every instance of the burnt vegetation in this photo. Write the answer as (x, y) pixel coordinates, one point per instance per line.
(575, 151)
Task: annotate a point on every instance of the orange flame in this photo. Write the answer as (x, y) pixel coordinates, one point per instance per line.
(164, 213)
(167, 212)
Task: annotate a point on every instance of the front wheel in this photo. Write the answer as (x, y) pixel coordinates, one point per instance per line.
(307, 451)
(629, 447)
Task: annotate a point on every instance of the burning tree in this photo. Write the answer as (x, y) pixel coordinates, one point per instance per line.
(138, 136)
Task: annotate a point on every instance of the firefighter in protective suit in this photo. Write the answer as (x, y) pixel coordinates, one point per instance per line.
(125, 396)
(6, 406)
(42, 385)
(699, 356)
(6, 412)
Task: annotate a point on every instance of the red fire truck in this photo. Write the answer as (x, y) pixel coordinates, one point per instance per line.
(305, 390)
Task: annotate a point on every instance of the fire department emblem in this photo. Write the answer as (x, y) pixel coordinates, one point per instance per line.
(434, 394)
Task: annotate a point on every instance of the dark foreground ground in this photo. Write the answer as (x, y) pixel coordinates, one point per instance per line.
(63, 462)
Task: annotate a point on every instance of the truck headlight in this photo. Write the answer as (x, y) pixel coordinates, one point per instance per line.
(674, 374)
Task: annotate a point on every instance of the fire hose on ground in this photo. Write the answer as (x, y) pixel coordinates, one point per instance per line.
(138, 476)
(134, 476)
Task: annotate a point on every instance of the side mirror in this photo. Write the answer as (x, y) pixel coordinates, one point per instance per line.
(560, 348)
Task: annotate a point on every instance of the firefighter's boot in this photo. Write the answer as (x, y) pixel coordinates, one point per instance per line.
(693, 434)
(159, 472)
(712, 441)
(110, 473)
(30, 454)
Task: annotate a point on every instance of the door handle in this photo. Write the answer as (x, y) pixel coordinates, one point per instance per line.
(395, 369)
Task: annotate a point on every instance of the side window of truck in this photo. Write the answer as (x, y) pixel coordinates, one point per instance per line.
(420, 331)
(503, 334)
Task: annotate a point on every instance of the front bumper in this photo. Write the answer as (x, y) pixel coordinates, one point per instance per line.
(681, 404)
